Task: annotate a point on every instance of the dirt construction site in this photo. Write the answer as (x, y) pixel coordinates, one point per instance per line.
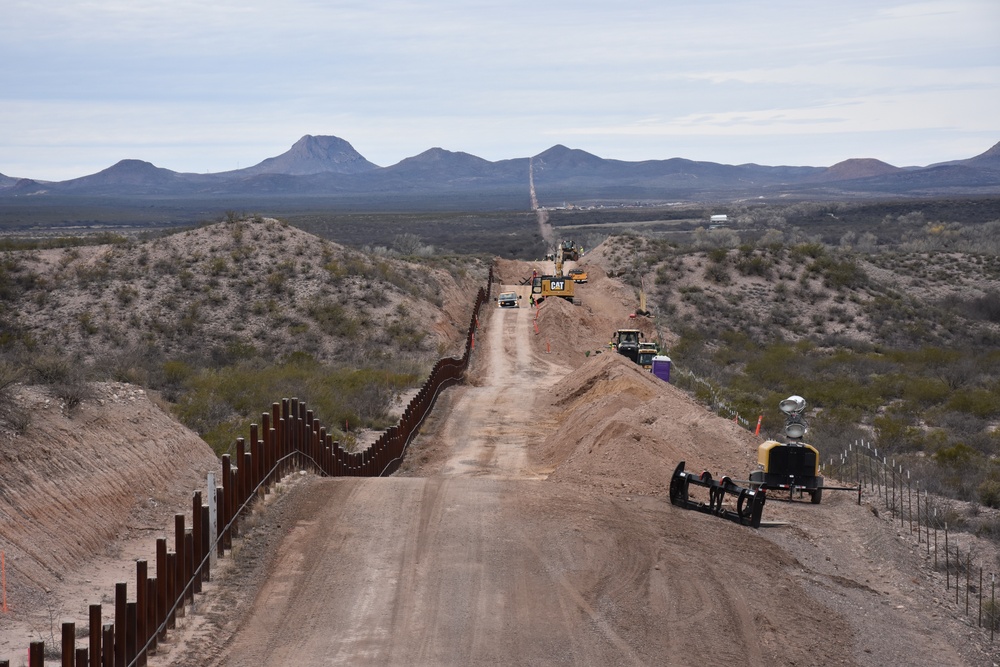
(529, 525)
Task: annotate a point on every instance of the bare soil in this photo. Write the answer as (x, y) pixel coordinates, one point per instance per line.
(531, 525)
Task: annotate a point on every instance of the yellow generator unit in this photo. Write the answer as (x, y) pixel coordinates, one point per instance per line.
(793, 466)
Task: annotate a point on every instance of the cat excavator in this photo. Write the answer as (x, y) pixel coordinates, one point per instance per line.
(557, 284)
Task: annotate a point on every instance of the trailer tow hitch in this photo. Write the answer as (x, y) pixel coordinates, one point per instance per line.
(749, 502)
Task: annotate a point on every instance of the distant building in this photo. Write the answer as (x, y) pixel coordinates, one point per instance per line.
(719, 219)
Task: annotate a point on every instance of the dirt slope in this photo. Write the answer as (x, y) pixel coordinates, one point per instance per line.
(530, 525)
(82, 496)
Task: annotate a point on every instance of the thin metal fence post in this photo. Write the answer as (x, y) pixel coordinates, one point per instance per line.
(927, 521)
(968, 568)
(980, 597)
(909, 503)
(947, 559)
(893, 487)
(935, 540)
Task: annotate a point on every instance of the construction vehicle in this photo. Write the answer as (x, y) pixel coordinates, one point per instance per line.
(508, 300)
(543, 287)
(569, 251)
(558, 285)
(792, 465)
(646, 353)
(578, 275)
(749, 502)
(626, 341)
(642, 298)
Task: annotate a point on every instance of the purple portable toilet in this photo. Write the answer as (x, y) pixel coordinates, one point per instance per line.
(661, 367)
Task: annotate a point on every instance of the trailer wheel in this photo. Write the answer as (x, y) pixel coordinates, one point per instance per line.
(817, 496)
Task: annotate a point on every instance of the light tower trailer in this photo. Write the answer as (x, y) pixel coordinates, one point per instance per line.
(794, 465)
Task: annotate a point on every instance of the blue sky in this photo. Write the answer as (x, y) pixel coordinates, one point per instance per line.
(212, 86)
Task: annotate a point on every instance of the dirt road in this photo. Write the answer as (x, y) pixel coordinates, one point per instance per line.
(480, 560)
(530, 525)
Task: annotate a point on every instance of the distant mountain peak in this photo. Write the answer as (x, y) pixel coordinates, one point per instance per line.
(314, 155)
(992, 152)
(856, 168)
(562, 156)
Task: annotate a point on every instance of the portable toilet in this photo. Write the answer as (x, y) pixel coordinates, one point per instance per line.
(661, 367)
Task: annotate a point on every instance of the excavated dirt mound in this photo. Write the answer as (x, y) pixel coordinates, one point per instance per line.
(624, 431)
(84, 493)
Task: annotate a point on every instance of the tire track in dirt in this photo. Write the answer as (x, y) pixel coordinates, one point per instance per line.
(485, 561)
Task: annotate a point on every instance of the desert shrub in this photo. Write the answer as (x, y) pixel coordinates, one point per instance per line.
(980, 402)
(405, 335)
(838, 274)
(754, 265)
(718, 255)
(896, 433)
(217, 403)
(72, 394)
(334, 320)
(958, 455)
(717, 273)
(989, 492)
(801, 252)
(923, 391)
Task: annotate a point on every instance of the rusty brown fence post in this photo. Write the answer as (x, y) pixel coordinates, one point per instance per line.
(242, 477)
(198, 548)
(152, 614)
(141, 603)
(162, 587)
(68, 644)
(188, 583)
(81, 658)
(121, 620)
(95, 634)
(181, 563)
(220, 521)
(256, 446)
(131, 617)
(206, 543)
(171, 601)
(254, 456)
(36, 654)
(108, 655)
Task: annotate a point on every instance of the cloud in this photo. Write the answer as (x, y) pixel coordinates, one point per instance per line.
(201, 86)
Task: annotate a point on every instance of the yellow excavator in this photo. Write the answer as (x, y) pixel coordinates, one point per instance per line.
(558, 285)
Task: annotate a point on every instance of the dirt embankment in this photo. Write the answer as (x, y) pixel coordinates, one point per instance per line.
(83, 493)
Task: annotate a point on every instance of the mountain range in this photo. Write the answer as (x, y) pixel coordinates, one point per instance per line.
(329, 167)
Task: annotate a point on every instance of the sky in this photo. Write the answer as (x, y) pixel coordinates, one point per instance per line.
(212, 86)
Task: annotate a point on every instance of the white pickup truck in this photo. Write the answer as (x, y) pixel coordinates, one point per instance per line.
(508, 300)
